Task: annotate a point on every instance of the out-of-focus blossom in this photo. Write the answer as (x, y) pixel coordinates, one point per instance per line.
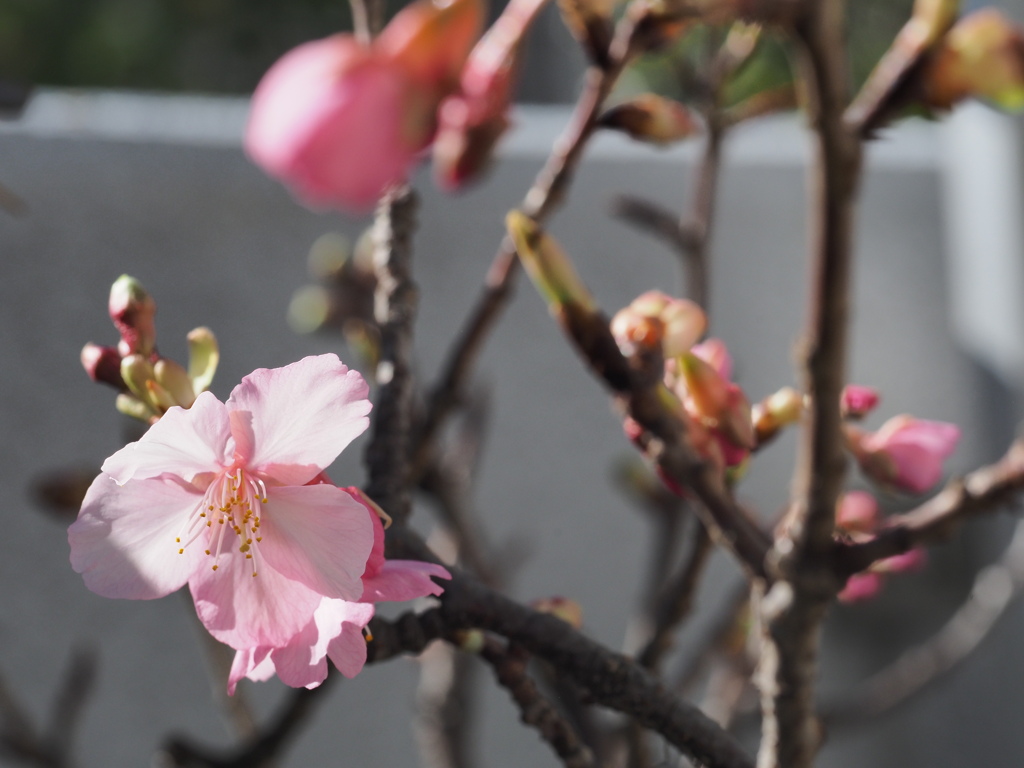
(473, 119)
(856, 401)
(858, 517)
(778, 410)
(982, 56)
(340, 121)
(655, 318)
(906, 453)
(653, 119)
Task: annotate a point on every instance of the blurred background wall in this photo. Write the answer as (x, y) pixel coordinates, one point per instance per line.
(158, 186)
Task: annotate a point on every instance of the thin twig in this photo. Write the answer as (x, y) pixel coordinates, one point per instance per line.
(394, 309)
(611, 679)
(509, 665)
(543, 197)
(995, 588)
(444, 707)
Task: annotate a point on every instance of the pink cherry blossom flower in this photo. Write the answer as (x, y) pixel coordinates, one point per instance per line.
(906, 453)
(335, 630)
(216, 497)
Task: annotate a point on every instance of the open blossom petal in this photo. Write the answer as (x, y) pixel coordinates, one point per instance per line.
(124, 541)
(185, 443)
(292, 422)
(318, 535)
(244, 611)
(400, 580)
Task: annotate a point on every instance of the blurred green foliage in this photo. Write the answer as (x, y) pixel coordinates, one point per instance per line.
(676, 72)
(204, 45)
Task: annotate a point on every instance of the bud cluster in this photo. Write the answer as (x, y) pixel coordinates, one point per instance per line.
(147, 383)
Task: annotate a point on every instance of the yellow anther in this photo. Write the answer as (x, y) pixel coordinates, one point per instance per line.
(207, 551)
(181, 551)
(254, 574)
(177, 540)
(215, 567)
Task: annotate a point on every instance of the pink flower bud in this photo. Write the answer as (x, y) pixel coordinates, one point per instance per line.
(472, 121)
(431, 42)
(655, 317)
(856, 401)
(907, 453)
(338, 122)
(103, 364)
(714, 352)
(717, 401)
(861, 586)
(776, 411)
(133, 311)
(857, 513)
(912, 560)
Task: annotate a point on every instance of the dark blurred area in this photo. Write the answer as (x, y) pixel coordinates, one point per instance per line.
(224, 46)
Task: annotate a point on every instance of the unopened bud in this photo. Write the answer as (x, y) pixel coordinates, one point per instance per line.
(547, 264)
(133, 311)
(718, 402)
(857, 512)
(130, 405)
(981, 56)
(140, 377)
(590, 22)
(203, 357)
(776, 411)
(175, 380)
(432, 41)
(860, 587)
(856, 401)
(906, 453)
(653, 119)
(103, 364)
(655, 318)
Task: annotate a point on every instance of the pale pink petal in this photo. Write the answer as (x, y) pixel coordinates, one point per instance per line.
(124, 541)
(297, 663)
(252, 663)
(341, 626)
(300, 417)
(403, 580)
(185, 443)
(246, 611)
(319, 535)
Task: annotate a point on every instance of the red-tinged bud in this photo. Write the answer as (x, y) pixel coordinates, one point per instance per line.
(656, 318)
(565, 609)
(909, 561)
(981, 56)
(103, 364)
(653, 119)
(472, 120)
(857, 401)
(133, 311)
(714, 352)
(776, 411)
(717, 402)
(857, 512)
(860, 587)
(431, 42)
(906, 453)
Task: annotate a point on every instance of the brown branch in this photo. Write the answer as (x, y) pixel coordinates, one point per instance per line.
(509, 665)
(979, 492)
(995, 588)
(612, 680)
(793, 608)
(543, 197)
(394, 308)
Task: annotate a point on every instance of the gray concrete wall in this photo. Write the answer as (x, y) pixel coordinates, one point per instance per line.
(159, 188)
